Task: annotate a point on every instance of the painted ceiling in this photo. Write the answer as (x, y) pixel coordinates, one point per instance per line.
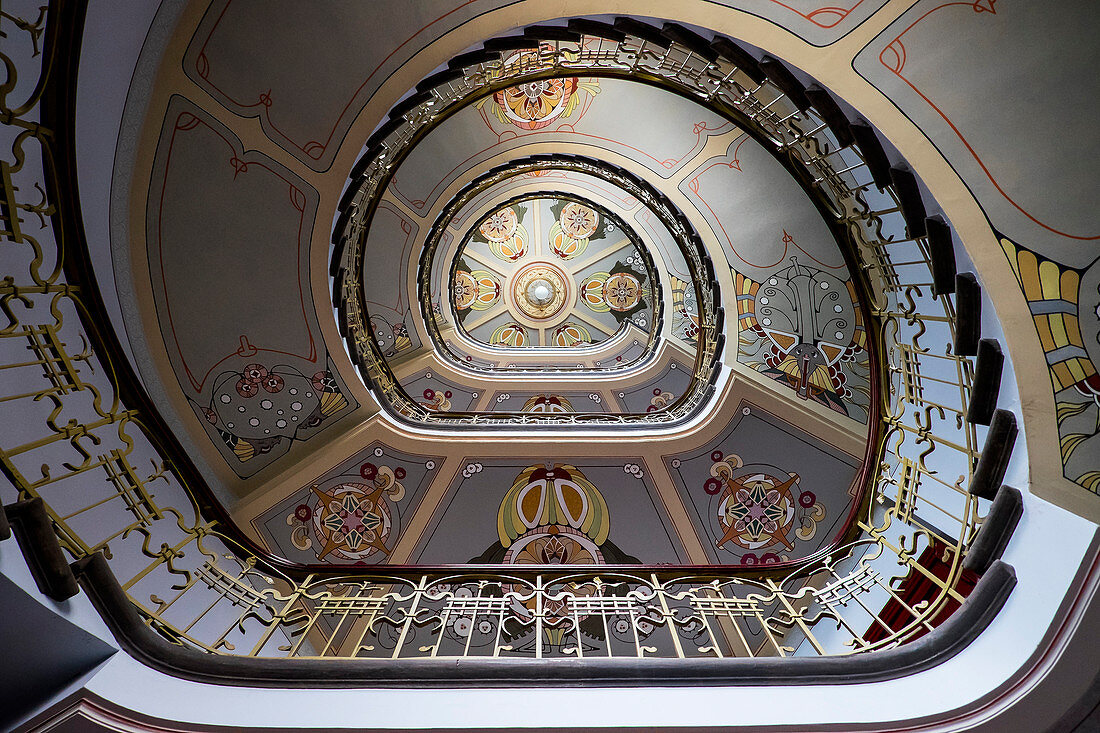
(239, 168)
(577, 278)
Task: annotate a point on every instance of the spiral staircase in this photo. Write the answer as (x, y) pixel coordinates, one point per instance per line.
(704, 365)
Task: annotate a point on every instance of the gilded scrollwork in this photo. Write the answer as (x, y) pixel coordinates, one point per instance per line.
(113, 480)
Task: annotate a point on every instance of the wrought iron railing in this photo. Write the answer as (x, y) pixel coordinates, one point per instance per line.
(78, 433)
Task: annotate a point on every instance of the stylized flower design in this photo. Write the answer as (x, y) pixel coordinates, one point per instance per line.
(570, 233)
(500, 226)
(536, 104)
(510, 334)
(477, 290)
(464, 290)
(352, 519)
(592, 290)
(556, 549)
(512, 248)
(273, 383)
(303, 513)
(254, 372)
(622, 291)
(247, 387)
(572, 334)
(757, 510)
(579, 221)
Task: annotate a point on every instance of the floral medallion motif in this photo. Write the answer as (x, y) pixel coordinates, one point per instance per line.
(574, 226)
(505, 234)
(537, 104)
(541, 290)
(578, 221)
(258, 407)
(620, 292)
(500, 225)
(351, 521)
(756, 511)
(758, 508)
(464, 290)
(571, 334)
(473, 289)
(510, 334)
(355, 513)
(547, 403)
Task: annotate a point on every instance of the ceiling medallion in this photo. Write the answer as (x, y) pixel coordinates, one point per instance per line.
(540, 270)
(540, 290)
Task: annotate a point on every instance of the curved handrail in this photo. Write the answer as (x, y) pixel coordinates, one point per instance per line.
(197, 583)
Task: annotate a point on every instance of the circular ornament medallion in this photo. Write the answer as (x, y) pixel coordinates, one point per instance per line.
(540, 290)
(579, 221)
(499, 226)
(622, 291)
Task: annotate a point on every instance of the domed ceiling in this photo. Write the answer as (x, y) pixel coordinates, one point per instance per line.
(560, 317)
(534, 286)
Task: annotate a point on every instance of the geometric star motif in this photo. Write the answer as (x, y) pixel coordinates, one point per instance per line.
(757, 508)
(350, 520)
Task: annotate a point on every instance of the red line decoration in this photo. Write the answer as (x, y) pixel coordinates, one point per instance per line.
(828, 16)
(197, 377)
(311, 149)
(894, 56)
(788, 241)
(699, 129)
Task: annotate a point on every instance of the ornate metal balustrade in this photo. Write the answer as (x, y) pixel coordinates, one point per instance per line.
(78, 433)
